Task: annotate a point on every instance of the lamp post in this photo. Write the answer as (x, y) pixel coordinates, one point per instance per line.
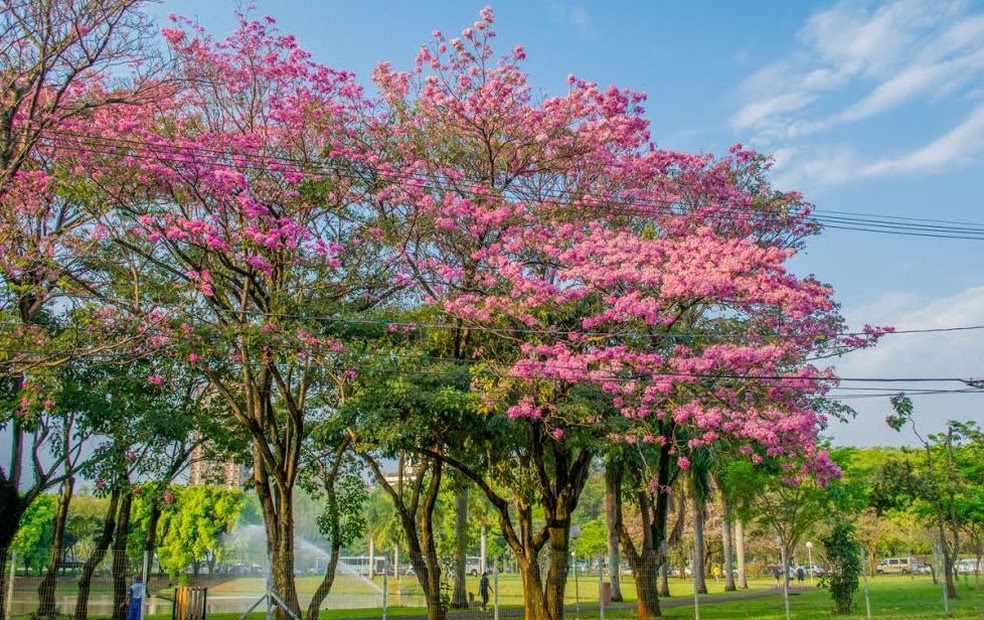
(809, 554)
(575, 532)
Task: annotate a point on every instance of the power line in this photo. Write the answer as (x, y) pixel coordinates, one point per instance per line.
(920, 227)
(505, 370)
(410, 326)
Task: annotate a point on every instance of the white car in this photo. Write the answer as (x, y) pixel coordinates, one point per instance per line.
(814, 569)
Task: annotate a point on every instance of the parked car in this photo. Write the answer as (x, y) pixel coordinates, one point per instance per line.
(897, 565)
(814, 569)
(966, 566)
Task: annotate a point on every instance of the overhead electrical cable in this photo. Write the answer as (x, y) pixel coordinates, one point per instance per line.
(177, 154)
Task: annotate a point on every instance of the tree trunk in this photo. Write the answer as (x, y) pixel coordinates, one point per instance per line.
(561, 474)
(12, 507)
(613, 476)
(314, 608)
(664, 581)
(278, 520)
(727, 543)
(47, 607)
(150, 542)
(557, 569)
(740, 552)
(534, 599)
(951, 586)
(281, 552)
(646, 579)
(459, 597)
(416, 518)
(700, 583)
(120, 564)
(654, 512)
(105, 538)
(954, 523)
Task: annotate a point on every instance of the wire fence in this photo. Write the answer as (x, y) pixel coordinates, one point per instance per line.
(386, 586)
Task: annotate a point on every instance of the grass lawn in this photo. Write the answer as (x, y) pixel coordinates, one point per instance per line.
(891, 597)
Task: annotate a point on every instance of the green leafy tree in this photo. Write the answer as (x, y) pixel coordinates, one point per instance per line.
(779, 509)
(844, 556)
(191, 529)
(333, 477)
(938, 483)
(33, 538)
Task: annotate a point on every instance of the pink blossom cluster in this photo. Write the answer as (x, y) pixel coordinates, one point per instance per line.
(658, 276)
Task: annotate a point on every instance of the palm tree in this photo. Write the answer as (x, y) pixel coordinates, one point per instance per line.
(699, 479)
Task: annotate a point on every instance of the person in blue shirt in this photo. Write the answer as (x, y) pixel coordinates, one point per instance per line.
(136, 594)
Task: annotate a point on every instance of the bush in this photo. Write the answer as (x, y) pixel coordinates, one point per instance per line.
(844, 554)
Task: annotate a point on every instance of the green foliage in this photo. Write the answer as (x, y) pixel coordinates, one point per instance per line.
(190, 531)
(85, 517)
(34, 537)
(593, 541)
(844, 555)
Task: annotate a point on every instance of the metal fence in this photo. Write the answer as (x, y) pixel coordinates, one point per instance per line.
(99, 590)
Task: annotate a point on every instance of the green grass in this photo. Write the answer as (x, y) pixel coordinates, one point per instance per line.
(891, 597)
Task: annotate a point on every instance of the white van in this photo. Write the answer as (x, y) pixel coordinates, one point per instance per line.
(903, 566)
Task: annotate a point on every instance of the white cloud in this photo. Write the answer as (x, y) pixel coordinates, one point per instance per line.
(757, 112)
(855, 41)
(908, 83)
(877, 57)
(957, 354)
(845, 43)
(575, 16)
(801, 167)
(818, 166)
(956, 147)
(918, 79)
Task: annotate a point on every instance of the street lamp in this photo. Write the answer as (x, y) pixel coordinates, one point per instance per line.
(809, 554)
(575, 532)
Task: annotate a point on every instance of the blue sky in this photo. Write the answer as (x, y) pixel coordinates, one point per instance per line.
(868, 108)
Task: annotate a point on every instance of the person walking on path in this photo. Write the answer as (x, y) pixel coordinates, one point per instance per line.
(136, 594)
(483, 589)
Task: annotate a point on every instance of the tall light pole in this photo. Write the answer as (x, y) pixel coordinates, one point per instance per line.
(809, 553)
(575, 532)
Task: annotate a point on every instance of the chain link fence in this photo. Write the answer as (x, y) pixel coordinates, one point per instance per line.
(387, 586)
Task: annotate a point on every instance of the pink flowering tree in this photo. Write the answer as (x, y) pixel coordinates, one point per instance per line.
(54, 72)
(242, 246)
(632, 288)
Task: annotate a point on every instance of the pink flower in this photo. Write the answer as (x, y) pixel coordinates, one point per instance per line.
(156, 380)
(683, 463)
